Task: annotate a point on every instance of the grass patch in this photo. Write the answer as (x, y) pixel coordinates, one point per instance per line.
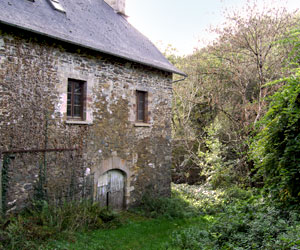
(195, 217)
(42, 222)
(142, 234)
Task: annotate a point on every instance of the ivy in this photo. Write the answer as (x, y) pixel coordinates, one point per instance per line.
(276, 148)
(5, 180)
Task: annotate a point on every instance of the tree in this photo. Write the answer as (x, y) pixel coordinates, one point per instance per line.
(276, 148)
(226, 88)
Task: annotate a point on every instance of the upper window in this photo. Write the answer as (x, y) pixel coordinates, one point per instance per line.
(75, 99)
(141, 112)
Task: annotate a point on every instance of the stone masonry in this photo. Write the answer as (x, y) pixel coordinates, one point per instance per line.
(34, 73)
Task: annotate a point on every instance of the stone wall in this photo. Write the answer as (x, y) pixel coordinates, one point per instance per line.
(34, 72)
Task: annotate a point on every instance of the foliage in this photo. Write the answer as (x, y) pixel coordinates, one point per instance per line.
(138, 233)
(169, 52)
(220, 172)
(292, 40)
(245, 221)
(207, 200)
(190, 238)
(43, 222)
(174, 207)
(239, 219)
(276, 149)
(4, 182)
(248, 227)
(226, 91)
(202, 198)
(190, 201)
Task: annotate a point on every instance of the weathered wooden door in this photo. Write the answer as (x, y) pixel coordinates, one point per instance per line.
(110, 189)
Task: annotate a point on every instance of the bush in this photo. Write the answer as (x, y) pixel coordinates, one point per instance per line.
(276, 148)
(191, 238)
(43, 222)
(235, 194)
(247, 222)
(187, 201)
(206, 200)
(165, 207)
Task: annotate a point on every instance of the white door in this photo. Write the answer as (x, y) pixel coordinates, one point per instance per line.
(110, 189)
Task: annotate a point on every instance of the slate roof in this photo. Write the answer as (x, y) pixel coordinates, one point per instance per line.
(88, 23)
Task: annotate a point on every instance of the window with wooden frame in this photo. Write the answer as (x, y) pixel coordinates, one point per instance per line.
(141, 106)
(75, 102)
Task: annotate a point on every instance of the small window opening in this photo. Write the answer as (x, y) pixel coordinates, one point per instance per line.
(141, 106)
(75, 101)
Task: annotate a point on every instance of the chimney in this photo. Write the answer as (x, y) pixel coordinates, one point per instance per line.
(117, 5)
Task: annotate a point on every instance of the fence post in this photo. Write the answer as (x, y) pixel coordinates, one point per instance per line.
(1, 201)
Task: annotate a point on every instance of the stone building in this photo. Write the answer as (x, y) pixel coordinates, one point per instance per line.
(83, 96)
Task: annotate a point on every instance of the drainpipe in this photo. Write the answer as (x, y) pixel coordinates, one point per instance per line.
(184, 77)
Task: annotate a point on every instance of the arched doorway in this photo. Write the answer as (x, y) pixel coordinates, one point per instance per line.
(111, 189)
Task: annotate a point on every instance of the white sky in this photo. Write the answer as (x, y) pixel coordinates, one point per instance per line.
(183, 23)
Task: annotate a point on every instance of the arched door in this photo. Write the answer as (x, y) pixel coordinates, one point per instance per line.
(111, 189)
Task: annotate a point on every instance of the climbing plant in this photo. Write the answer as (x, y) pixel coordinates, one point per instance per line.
(276, 148)
(5, 179)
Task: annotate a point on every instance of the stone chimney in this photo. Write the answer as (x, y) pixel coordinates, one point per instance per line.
(117, 5)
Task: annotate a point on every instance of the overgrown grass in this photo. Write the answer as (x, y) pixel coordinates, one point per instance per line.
(195, 217)
(150, 234)
(242, 220)
(190, 201)
(42, 222)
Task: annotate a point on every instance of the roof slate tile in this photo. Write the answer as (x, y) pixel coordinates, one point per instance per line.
(88, 23)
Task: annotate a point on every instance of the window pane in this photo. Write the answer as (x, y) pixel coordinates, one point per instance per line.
(77, 99)
(77, 111)
(77, 88)
(141, 103)
(141, 97)
(141, 109)
(70, 87)
(141, 115)
(69, 99)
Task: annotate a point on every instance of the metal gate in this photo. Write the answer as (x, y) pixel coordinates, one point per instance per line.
(111, 189)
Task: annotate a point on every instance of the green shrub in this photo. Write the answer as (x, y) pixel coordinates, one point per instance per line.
(276, 148)
(235, 193)
(187, 201)
(202, 198)
(247, 222)
(191, 238)
(43, 222)
(165, 207)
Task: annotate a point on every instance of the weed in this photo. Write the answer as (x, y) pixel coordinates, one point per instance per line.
(195, 217)
(246, 222)
(174, 207)
(43, 222)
